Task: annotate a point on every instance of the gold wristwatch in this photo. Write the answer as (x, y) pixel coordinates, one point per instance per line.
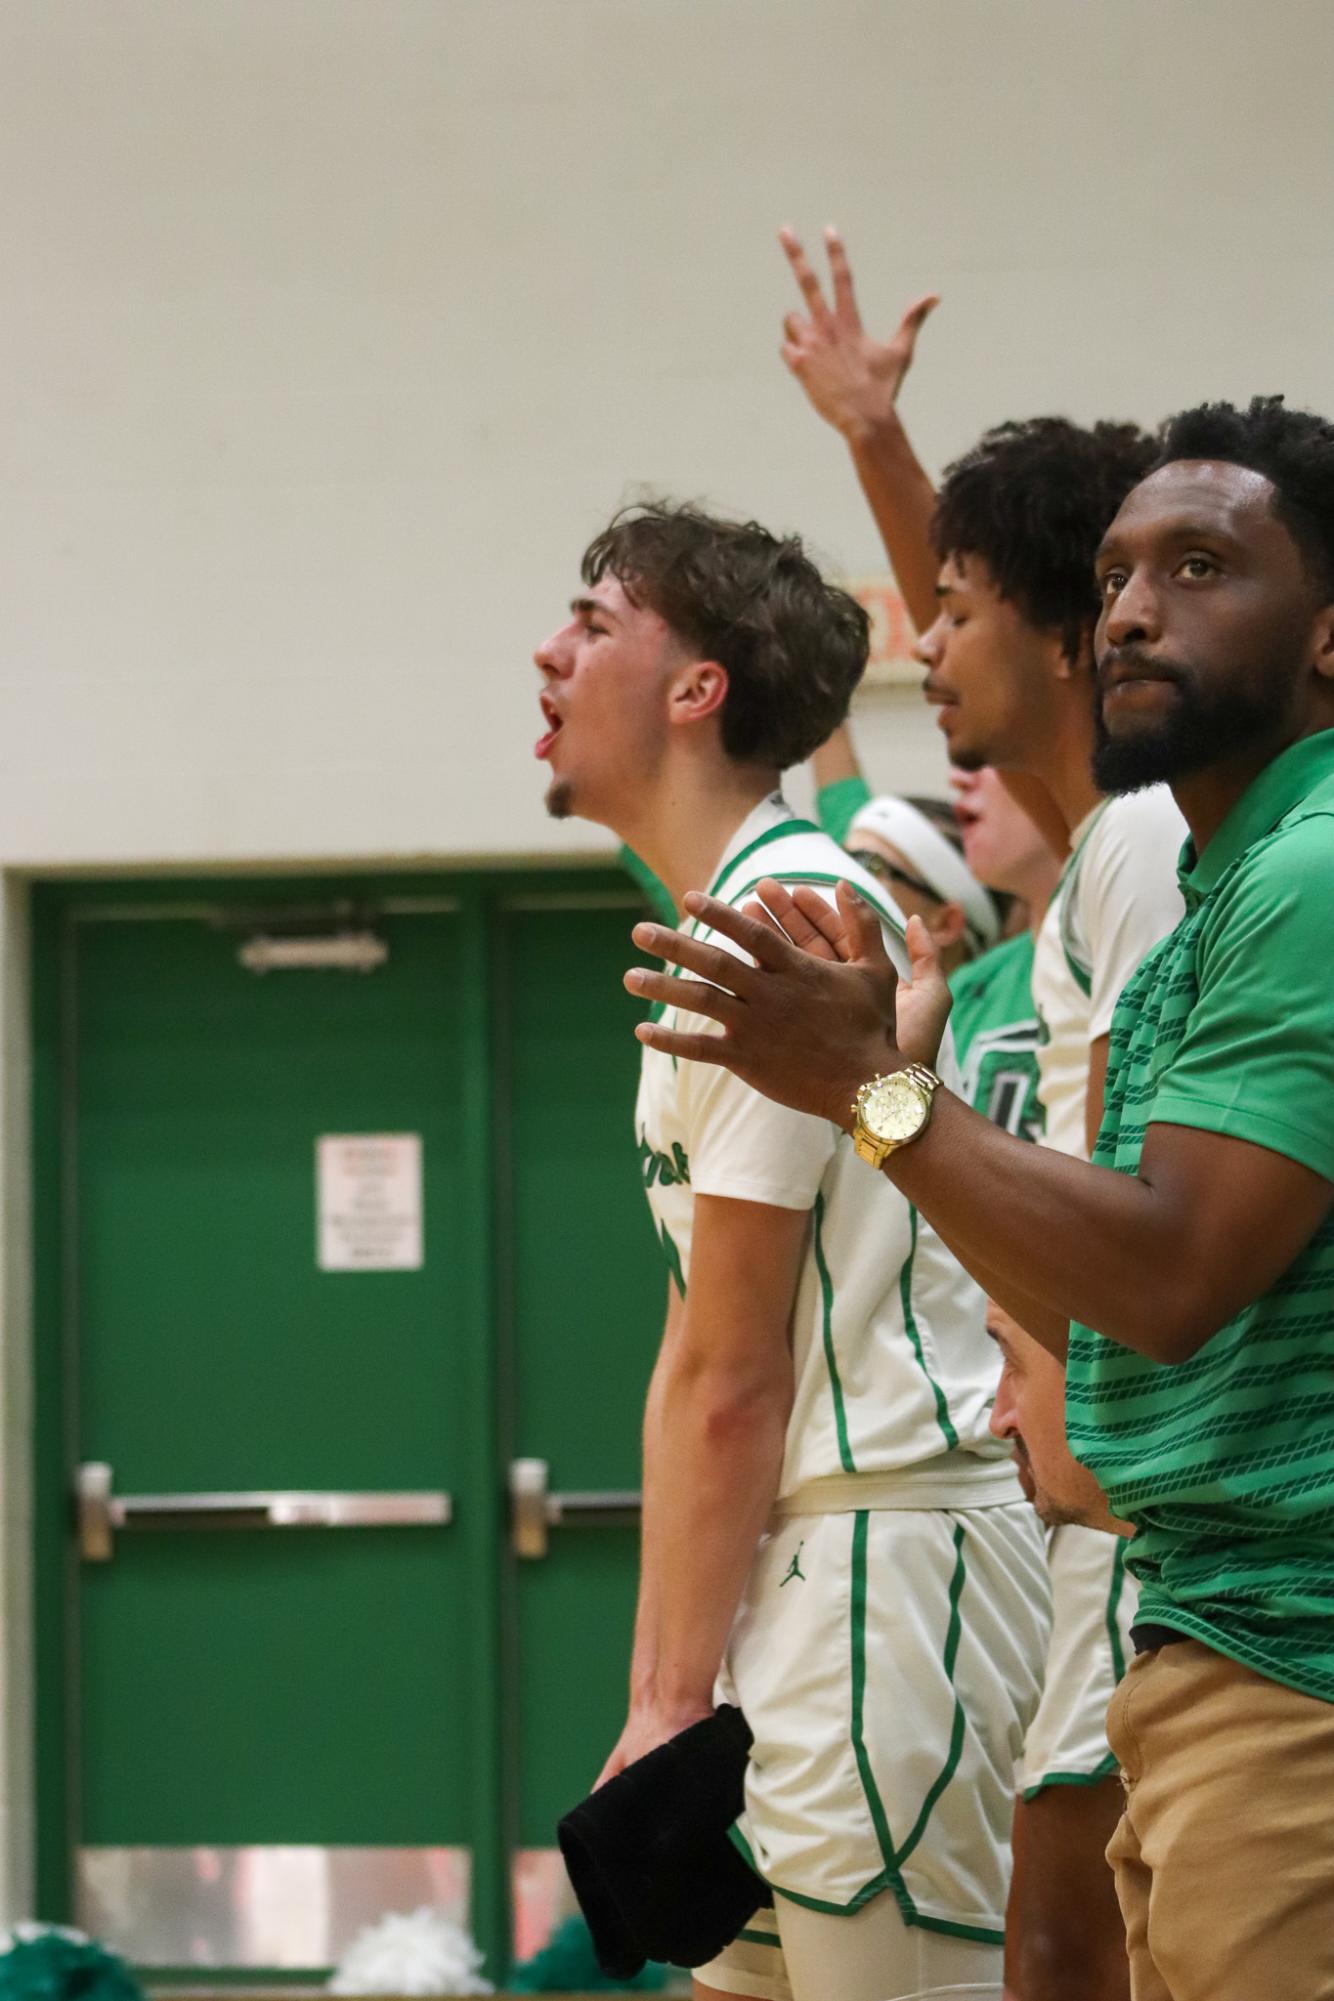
(892, 1112)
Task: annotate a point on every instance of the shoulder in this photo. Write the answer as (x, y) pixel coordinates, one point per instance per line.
(1144, 824)
(1129, 887)
(806, 856)
(1292, 867)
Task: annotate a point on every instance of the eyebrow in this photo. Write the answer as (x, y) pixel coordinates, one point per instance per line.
(1184, 532)
(588, 606)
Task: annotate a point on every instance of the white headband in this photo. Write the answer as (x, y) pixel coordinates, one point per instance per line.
(934, 856)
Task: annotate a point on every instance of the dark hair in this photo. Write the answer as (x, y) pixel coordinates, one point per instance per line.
(1033, 500)
(794, 646)
(1294, 449)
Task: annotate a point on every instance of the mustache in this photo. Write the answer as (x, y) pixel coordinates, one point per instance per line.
(1138, 660)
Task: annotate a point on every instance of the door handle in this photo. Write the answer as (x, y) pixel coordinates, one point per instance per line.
(101, 1512)
(534, 1509)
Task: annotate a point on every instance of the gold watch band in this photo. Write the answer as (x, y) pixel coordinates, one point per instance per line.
(872, 1147)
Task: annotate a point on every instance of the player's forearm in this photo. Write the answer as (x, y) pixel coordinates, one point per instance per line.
(644, 1655)
(835, 759)
(903, 502)
(722, 1452)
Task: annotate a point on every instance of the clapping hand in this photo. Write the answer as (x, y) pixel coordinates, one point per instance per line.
(815, 1009)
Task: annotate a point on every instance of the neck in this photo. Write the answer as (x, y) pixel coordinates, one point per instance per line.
(682, 824)
(1207, 797)
(1037, 889)
(1064, 759)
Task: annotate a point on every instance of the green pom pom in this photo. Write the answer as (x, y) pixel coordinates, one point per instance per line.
(567, 1964)
(51, 1963)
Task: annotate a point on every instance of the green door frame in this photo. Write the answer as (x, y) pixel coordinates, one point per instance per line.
(57, 908)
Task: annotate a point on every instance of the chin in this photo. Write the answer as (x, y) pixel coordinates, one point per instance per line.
(966, 756)
(560, 799)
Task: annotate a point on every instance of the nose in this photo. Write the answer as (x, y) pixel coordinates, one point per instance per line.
(552, 656)
(930, 644)
(1133, 615)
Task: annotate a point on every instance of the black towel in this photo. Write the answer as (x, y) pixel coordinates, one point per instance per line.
(649, 1856)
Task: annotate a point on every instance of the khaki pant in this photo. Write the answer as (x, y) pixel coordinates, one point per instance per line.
(1224, 1857)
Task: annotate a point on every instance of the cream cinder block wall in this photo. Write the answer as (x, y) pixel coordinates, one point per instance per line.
(333, 328)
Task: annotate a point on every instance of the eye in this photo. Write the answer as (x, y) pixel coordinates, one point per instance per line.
(1111, 583)
(1197, 568)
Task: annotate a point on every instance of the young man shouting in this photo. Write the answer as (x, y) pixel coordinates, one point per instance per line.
(1191, 1267)
(830, 1536)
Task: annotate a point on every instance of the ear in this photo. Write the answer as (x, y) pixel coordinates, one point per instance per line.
(1323, 644)
(946, 924)
(697, 691)
(1081, 667)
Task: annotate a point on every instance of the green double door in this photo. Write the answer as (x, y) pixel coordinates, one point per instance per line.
(347, 1305)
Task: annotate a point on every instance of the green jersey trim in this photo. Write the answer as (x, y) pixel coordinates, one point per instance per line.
(1081, 971)
(759, 1938)
(952, 1636)
(947, 1927)
(778, 833)
(1102, 1771)
(948, 1433)
(846, 1459)
(1113, 1604)
(659, 1008)
(655, 891)
(829, 881)
(879, 1818)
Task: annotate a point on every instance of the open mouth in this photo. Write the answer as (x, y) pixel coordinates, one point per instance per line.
(555, 723)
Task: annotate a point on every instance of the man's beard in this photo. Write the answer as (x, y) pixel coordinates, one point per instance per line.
(1206, 725)
(560, 799)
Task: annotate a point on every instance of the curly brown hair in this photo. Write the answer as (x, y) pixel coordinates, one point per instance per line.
(793, 645)
(1033, 500)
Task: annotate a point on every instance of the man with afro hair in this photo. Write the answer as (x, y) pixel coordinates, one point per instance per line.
(997, 573)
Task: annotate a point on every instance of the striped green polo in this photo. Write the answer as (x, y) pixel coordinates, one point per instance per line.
(1225, 1463)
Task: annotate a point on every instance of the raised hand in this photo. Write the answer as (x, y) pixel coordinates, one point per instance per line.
(851, 379)
(808, 1023)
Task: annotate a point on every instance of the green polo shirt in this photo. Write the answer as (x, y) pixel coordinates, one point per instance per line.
(1225, 1463)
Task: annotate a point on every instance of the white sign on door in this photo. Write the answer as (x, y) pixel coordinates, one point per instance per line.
(369, 1201)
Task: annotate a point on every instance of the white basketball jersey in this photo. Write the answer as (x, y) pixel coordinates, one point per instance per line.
(894, 1368)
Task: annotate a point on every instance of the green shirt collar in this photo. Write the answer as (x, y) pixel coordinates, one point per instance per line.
(1269, 798)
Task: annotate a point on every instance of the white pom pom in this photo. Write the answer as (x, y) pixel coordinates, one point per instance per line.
(422, 1952)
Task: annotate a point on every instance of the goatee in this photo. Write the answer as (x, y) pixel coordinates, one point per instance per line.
(560, 800)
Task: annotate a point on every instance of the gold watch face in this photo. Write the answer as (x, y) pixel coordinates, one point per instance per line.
(894, 1108)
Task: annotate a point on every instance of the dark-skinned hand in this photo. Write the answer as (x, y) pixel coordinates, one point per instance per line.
(815, 1010)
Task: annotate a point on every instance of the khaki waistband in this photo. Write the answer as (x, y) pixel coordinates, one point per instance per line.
(955, 1480)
